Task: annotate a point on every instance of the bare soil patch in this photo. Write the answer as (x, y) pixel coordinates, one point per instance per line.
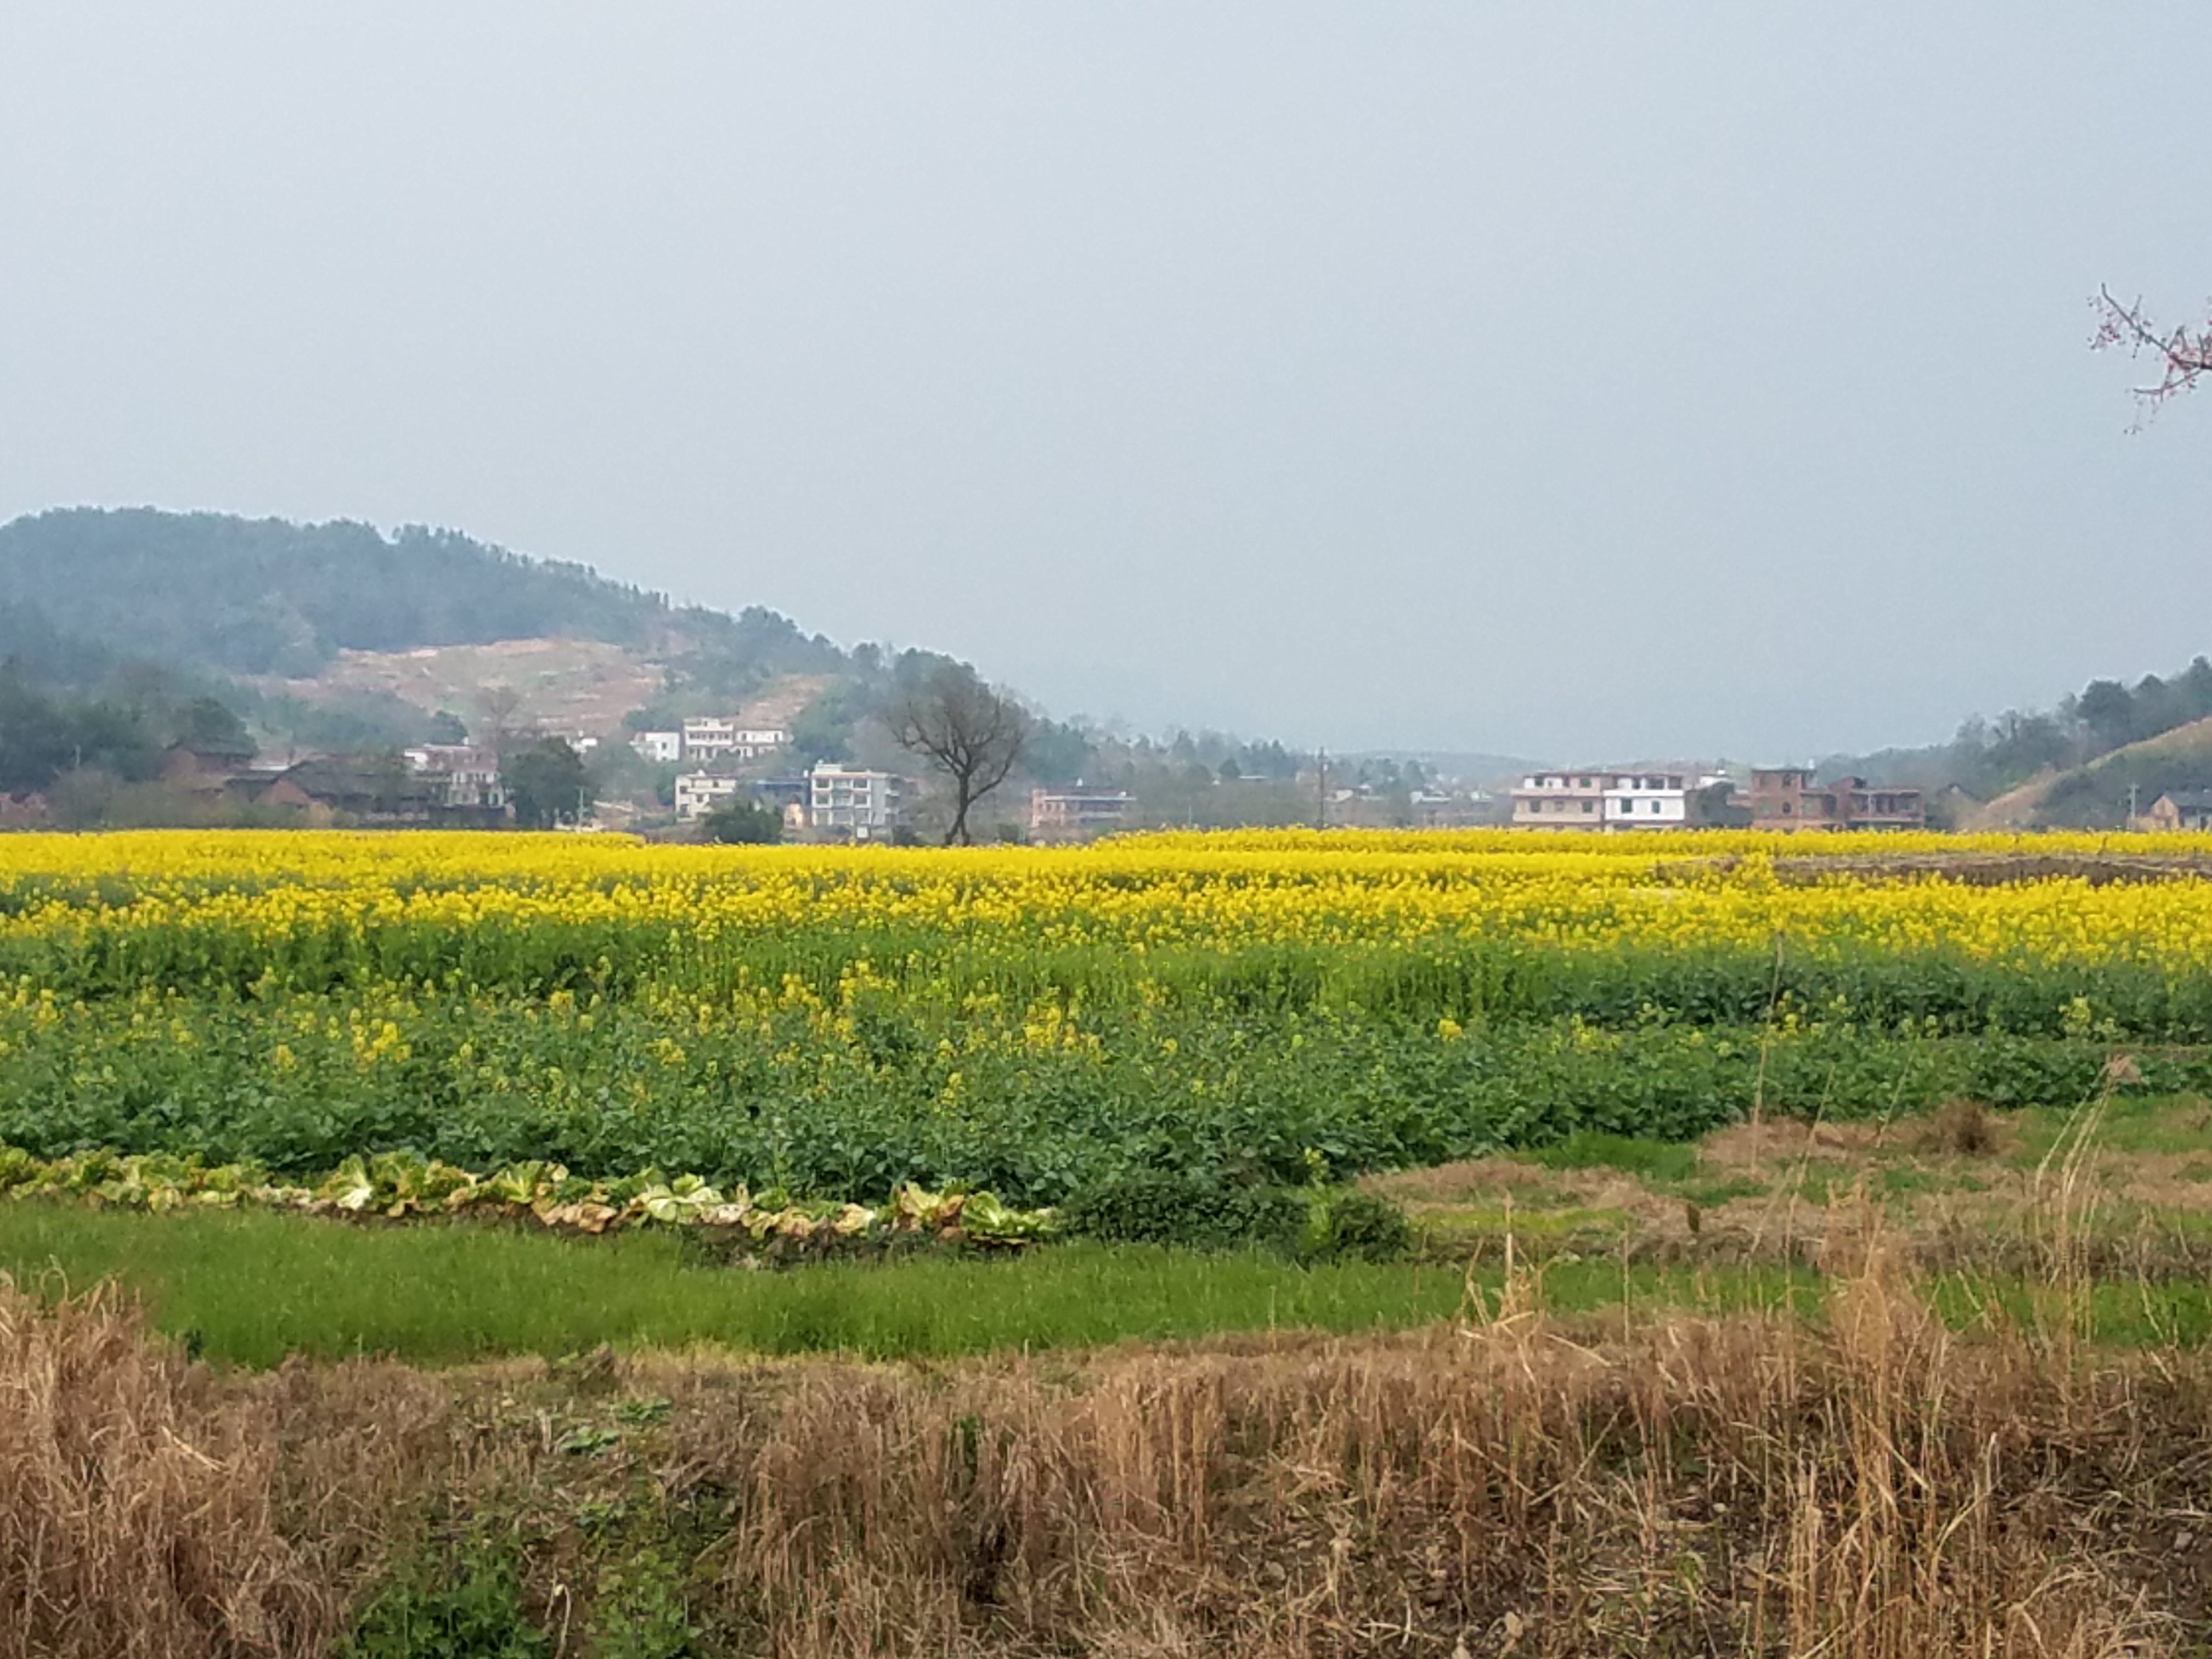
(564, 685)
(1961, 1186)
(569, 686)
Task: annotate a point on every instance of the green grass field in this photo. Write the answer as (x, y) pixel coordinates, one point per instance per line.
(252, 1288)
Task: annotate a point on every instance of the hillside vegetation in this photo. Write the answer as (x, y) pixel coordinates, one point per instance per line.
(285, 623)
(339, 638)
(2069, 767)
(214, 593)
(2095, 794)
(208, 590)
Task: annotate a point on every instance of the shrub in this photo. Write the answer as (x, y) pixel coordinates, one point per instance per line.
(1190, 1207)
(739, 822)
(466, 1605)
(1195, 1209)
(1962, 1127)
(1347, 1222)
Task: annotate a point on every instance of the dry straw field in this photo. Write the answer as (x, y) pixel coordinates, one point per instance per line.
(1866, 1484)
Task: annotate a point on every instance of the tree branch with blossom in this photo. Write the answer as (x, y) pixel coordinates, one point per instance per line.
(2183, 354)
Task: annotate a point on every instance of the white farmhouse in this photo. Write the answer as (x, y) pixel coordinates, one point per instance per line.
(1610, 800)
(1646, 800)
(710, 735)
(867, 805)
(698, 794)
(465, 775)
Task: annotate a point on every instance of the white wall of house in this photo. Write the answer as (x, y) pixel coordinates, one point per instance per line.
(465, 775)
(698, 792)
(707, 736)
(850, 798)
(1645, 800)
(1561, 800)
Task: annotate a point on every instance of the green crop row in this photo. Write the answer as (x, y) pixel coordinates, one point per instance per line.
(1468, 981)
(854, 1100)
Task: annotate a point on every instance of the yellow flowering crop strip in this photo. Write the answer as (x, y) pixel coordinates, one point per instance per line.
(366, 899)
(839, 1022)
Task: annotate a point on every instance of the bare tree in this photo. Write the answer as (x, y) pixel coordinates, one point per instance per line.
(501, 705)
(971, 733)
(2183, 354)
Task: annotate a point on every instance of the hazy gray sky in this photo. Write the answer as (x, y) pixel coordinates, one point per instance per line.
(1576, 380)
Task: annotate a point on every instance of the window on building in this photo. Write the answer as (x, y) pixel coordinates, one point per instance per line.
(1590, 806)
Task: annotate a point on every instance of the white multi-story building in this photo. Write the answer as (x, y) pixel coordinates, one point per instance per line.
(1606, 800)
(662, 748)
(866, 805)
(698, 794)
(1647, 800)
(709, 736)
(463, 773)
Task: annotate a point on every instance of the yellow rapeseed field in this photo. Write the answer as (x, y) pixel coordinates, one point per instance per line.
(1222, 891)
(835, 1022)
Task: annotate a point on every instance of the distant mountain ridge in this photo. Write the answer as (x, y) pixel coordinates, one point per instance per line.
(256, 610)
(211, 591)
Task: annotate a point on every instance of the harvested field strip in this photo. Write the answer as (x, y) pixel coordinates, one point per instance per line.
(1866, 1486)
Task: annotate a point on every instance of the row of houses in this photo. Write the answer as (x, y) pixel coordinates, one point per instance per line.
(711, 738)
(855, 802)
(1786, 798)
(1598, 799)
(451, 785)
(847, 801)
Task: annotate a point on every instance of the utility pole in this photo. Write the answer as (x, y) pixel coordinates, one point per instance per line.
(2132, 793)
(1320, 789)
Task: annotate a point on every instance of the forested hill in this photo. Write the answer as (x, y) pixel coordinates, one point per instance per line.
(211, 592)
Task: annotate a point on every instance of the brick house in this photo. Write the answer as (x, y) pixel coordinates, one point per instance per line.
(1787, 798)
(1079, 814)
(2179, 809)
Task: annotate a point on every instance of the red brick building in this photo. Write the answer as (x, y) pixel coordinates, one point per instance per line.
(1786, 798)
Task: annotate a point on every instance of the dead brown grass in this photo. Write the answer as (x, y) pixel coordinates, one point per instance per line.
(1691, 1486)
(1876, 1488)
(146, 1510)
(1962, 1128)
(1777, 1142)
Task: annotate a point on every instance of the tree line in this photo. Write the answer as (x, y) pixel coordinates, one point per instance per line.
(46, 733)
